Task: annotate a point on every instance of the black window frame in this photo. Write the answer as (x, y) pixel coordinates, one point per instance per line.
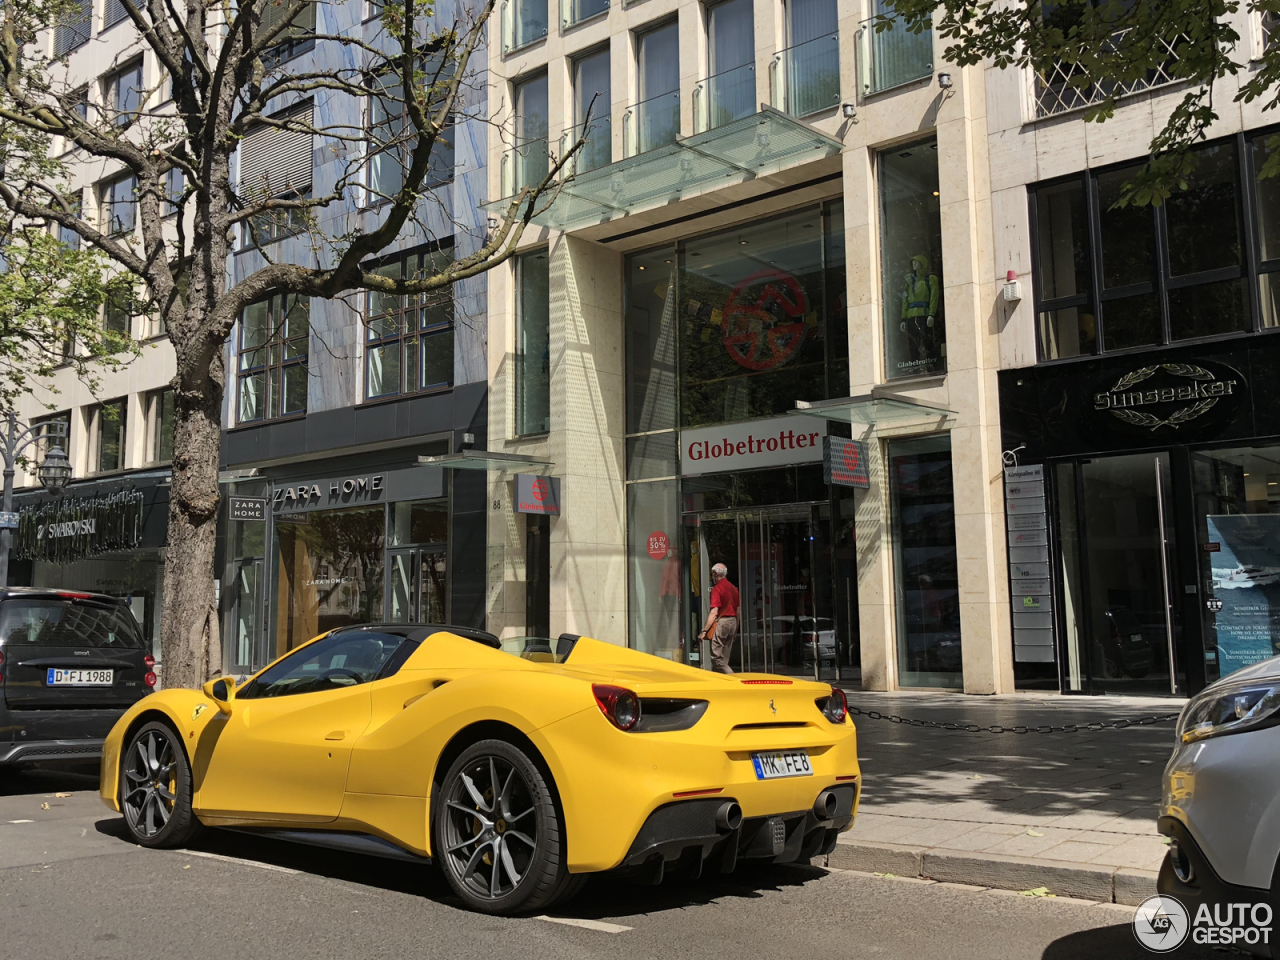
(271, 358)
(111, 91)
(110, 203)
(1249, 268)
(402, 333)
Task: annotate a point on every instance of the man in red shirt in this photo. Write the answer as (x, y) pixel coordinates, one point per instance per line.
(722, 620)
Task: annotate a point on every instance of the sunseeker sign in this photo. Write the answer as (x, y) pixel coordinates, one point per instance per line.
(1171, 395)
(778, 442)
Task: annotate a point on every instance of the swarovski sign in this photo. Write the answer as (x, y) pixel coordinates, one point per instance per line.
(74, 528)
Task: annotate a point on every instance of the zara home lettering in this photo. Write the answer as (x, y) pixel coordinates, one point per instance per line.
(761, 443)
(304, 494)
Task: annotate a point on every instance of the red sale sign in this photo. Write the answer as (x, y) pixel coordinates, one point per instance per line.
(658, 545)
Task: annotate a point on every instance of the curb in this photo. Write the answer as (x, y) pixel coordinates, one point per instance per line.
(1086, 881)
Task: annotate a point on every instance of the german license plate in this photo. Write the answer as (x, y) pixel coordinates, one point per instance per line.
(781, 763)
(78, 677)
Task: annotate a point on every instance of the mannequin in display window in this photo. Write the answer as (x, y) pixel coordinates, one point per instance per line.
(921, 301)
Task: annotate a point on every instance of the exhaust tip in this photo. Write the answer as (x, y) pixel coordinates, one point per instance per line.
(728, 816)
(824, 808)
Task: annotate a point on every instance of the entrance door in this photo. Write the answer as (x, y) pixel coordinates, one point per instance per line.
(417, 593)
(780, 561)
(1122, 630)
(245, 605)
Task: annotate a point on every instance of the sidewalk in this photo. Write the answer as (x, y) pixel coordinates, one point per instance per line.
(1073, 812)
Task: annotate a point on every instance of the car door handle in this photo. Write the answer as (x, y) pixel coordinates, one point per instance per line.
(336, 735)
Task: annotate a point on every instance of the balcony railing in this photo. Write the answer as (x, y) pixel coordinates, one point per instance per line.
(806, 78)
(523, 22)
(1065, 86)
(889, 58)
(651, 123)
(596, 152)
(725, 97)
(524, 165)
(576, 11)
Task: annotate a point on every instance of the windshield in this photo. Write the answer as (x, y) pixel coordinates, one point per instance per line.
(66, 623)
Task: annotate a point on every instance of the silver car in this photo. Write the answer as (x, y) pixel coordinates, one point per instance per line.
(1221, 806)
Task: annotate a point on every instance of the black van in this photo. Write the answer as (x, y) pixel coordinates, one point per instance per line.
(70, 664)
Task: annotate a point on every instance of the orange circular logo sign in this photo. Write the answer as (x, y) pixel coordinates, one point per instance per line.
(763, 325)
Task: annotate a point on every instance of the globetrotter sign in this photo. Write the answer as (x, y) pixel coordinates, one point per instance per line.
(778, 442)
(74, 528)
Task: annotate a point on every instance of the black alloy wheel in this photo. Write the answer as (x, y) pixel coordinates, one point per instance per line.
(155, 788)
(499, 836)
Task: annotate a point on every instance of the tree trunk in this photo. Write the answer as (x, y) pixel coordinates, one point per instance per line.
(190, 609)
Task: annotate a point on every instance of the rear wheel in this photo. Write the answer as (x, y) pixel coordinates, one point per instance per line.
(155, 788)
(498, 833)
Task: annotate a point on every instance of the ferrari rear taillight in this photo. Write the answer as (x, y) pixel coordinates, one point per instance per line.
(149, 679)
(767, 683)
(149, 661)
(835, 707)
(620, 706)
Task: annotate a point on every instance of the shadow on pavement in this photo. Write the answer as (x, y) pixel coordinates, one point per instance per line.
(604, 897)
(1118, 943)
(49, 778)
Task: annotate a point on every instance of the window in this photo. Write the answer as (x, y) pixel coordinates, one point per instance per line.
(65, 623)
(1112, 277)
(274, 342)
(533, 343)
(523, 22)
(159, 407)
(295, 39)
(73, 32)
(113, 12)
(529, 160)
(66, 235)
(730, 90)
(808, 71)
(391, 143)
(275, 163)
(592, 102)
(338, 661)
(409, 337)
(655, 120)
(915, 333)
(120, 204)
(116, 317)
(122, 93)
(107, 422)
(576, 11)
(175, 185)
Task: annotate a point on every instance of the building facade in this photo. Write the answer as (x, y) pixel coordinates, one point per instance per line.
(1136, 392)
(778, 240)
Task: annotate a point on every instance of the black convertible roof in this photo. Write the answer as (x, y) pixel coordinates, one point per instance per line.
(420, 631)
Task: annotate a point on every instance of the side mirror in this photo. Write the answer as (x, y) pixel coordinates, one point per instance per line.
(222, 691)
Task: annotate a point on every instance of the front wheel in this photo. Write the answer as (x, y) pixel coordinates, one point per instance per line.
(155, 788)
(498, 834)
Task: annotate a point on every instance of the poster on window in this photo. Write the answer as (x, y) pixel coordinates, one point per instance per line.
(1245, 566)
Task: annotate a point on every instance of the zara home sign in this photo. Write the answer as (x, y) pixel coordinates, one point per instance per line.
(778, 442)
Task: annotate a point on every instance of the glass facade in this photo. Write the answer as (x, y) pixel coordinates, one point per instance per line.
(735, 326)
(915, 333)
(925, 565)
(1115, 276)
(274, 343)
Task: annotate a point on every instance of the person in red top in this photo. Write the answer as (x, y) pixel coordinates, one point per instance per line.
(722, 620)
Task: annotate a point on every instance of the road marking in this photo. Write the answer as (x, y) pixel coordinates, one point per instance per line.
(598, 925)
(22, 821)
(247, 863)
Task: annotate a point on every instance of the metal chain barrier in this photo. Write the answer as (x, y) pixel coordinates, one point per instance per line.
(997, 728)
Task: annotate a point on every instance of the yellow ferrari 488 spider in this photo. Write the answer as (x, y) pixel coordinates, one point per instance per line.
(517, 774)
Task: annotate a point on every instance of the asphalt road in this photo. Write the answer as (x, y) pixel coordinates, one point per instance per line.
(71, 887)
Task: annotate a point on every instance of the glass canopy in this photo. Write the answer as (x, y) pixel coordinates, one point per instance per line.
(483, 460)
(873, 411)
(753, 146)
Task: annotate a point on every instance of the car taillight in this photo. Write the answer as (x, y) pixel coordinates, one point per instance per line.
(835, 707)
(149, 679)
(69, 595)
(1, 658)
(620, 706)
(149, 661)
